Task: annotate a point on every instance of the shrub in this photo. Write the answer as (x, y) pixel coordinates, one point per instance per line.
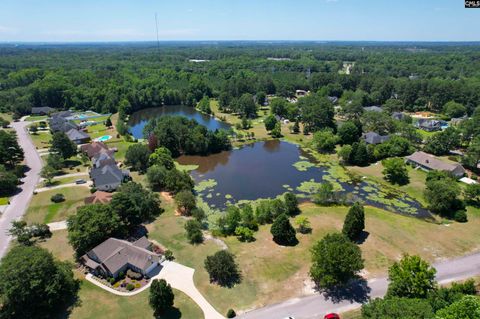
(133, 275)
(169, 255)
(111, 280)
(461, 216)
(93, 190)
(231, 313)
(57, 198)
(130, 287)
(137, 285)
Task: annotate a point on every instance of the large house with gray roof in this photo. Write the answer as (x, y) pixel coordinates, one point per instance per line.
(78, 137)
(429, 162)
(375, 138)
(108, 177)
(115, 256)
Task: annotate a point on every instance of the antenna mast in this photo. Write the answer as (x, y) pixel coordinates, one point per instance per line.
(156, 27)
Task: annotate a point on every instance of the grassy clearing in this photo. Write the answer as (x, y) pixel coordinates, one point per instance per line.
(7, 116)
(37, 118)
(41, 140)
(272, 273)
(43, 210)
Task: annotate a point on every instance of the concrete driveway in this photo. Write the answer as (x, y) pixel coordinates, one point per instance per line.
(19, 203)
(179, 277)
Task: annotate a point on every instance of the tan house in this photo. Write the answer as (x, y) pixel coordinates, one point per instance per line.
(429, 162)
(115, 256)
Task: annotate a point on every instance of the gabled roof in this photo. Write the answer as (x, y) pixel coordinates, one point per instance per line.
(59, 123)
(42, 110)
(76, 135)
(114, 254)
(95, 148)
(103, 158)
(108, 174)
(431, 162)
(374, 138)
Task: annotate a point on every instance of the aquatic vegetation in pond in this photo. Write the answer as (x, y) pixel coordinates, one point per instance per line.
(187, 168)
(228, 196)
(205, 184)
(309, 187)
(303, 166)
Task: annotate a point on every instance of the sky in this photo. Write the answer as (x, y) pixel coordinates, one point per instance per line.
(340, 20)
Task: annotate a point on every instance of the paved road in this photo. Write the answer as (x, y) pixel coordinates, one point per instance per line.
(316, 306)
(19, 203)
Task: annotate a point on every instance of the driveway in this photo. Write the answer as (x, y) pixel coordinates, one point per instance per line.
(179, 277)
(48, 188)
(19, 203)
(316, 306)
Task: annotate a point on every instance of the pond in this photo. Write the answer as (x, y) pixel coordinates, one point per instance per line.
(139, 119)
(271, 168)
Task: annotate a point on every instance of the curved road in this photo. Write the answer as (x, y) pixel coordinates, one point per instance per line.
(19, 203)
(316, 306)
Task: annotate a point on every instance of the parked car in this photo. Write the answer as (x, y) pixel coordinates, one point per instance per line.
(331, 316)
(80, 181)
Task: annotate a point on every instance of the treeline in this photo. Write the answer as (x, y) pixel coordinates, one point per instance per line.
(126, 79)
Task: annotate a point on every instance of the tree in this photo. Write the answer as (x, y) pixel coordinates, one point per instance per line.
(156, 175)
(317, 112)
(393, 308)
(244, 233)
(270, 122)
(303, 224)
(108, 122)
(261, 98)
(28, 235)
(354, 223)
(472, 156)
(29, 272)
(204, 105)
(162, 157)
(279, 106)
(55, 161)
(48, 173)
(291, 204)
(283, 232)
(91, 225)
(33, 128)
(411, 277)
(325, 194)
(10, 152)
(161, 296)
(248, 218)
(277, 130)
(230, 221)
(442, 142)
(62, 145)
(8, 182)
(222, 268)
(324, 141)
(246, 106)
(134, 204)
(137, 156)
(360, 154)
(395, 171)
(194, 231)
(472, 193)
(336, 260)
(177, 181)
(296, 127)
(442, 194)
(454, 109)
(185, 202)
(466, 308)
(348, 133)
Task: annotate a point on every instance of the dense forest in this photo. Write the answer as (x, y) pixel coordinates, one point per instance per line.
(129, 77)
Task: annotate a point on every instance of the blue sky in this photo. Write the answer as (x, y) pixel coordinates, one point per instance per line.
(134, 20)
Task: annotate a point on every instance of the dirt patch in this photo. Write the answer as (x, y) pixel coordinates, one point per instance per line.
(167, 197)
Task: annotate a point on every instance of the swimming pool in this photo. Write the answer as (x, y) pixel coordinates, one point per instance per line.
(104, 138)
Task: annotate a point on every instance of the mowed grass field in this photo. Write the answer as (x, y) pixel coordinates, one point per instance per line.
(272, 273)
(43, 210)
(41, 140)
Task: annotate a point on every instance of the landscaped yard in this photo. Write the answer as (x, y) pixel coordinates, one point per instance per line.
(98, 303)
(43, 210)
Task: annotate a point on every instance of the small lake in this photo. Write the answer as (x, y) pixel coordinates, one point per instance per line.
(271, 168)
(139, 119)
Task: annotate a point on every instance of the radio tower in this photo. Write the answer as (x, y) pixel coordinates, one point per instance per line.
(156, 28)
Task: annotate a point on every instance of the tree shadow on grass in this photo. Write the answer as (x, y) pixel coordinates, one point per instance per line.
(356, 290)
(172, 313)
(362, 237)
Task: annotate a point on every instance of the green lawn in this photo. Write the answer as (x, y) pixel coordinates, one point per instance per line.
(98, 303)
(37, 118)
(7, 116)
(43, 210)
(41, 140)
